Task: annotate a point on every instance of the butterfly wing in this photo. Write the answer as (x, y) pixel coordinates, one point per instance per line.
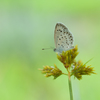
(63, 38)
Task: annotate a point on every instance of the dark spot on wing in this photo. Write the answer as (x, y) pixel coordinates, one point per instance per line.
(59, 38)
(64, 36)
(59, 30)
(67, 43)
(70, 36)
(64, 33)
(67, 33)
(62, 46)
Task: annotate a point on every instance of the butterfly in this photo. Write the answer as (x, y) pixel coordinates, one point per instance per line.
(63, 38)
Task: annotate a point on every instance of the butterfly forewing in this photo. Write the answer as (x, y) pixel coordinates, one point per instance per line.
(62, 37)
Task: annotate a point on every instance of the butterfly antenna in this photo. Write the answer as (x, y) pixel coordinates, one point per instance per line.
(47, 48)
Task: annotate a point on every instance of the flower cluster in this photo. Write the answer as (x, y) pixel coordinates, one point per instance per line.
(67, 57)
(51, 71)
(80, 69)
(76, 68)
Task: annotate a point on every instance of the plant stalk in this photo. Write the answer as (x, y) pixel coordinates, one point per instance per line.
(70, 86)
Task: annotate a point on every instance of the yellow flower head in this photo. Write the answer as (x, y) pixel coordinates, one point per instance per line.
(67, 57)
(51, 71)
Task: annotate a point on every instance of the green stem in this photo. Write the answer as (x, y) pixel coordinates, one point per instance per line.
(70, 87)
(64, 74)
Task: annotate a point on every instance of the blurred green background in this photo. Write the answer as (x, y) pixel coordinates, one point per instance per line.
(27, 26)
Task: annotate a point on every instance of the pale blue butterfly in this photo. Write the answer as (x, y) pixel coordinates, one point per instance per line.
(63, 38)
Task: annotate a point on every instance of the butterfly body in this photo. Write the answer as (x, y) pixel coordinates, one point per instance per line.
(63, 38)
